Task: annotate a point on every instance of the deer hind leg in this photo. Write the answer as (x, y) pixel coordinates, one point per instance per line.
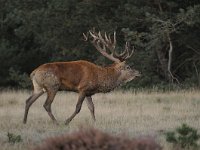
(78, 108)
(47, 105)
(38, 91)
(90, 105)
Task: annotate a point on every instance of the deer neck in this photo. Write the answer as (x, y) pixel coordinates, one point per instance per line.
(108, 79)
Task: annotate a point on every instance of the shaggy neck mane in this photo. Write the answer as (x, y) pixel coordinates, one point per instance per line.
(108, 80)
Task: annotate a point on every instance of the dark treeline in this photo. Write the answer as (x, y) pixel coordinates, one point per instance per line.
(165, 34)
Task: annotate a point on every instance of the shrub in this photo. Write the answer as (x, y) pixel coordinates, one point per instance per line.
(93, 139)
(21, 80)
(183, 137)
(12, 138)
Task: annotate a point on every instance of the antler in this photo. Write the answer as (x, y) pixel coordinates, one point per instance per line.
(102, 43)
(127, 53)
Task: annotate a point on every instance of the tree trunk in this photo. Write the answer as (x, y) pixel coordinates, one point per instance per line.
(161, 54)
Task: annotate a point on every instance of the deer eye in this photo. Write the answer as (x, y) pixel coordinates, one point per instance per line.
(128, 67)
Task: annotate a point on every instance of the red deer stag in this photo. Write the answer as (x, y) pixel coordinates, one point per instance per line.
(82, 76)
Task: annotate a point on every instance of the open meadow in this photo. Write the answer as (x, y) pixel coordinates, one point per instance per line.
(131, 113)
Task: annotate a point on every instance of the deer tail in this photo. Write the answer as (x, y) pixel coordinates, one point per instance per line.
(32, 74)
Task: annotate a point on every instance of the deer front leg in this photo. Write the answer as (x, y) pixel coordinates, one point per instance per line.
(90, 105)
(78, 108)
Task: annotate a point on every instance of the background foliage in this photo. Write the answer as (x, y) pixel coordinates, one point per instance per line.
(33, 32)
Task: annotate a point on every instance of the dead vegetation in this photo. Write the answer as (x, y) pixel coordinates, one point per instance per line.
(92, 139)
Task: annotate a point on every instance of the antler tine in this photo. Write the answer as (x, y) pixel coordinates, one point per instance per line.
(101, 38)
(114, 34)
(127, 49)
(85, 37)
(106, 37)
(114, 39)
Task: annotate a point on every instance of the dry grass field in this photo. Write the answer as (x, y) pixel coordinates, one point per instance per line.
(130, 113)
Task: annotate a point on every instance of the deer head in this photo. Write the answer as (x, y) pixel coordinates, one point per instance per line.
(107, 47)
